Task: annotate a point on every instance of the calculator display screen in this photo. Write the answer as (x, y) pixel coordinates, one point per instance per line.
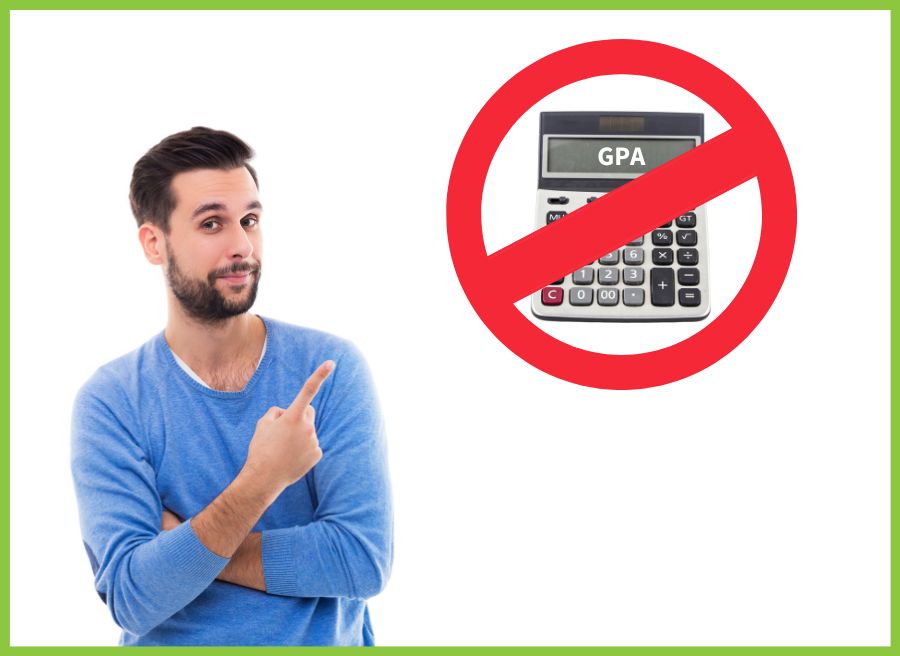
(590, 156)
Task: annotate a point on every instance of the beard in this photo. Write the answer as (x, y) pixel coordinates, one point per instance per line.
(202, 300)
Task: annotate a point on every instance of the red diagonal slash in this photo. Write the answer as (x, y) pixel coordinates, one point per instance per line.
(609, 222)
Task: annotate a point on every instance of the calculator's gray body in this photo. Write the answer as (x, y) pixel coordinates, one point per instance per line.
(609, 285)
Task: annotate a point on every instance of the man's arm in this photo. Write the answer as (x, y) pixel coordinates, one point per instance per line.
(245, 566)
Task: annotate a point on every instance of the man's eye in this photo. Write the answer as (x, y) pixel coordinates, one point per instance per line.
(250, 220)
(208, 225)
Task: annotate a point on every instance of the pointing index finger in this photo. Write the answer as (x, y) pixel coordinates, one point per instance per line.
(310, 388)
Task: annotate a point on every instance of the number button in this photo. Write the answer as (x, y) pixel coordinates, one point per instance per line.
(584, 276)
(662, 237)
(686, 237)
(688, 256)
(634, 276)
(633, 256)
(610, 258)
(607, 276)
(608, 296)
(554, 215)
(662, 256)
(552, 295)
(581, 296)
(637, 242)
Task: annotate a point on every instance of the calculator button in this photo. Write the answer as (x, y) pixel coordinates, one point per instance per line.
(581, 296)
(632, 276)
(584, 276)
(666, 225)
(633, 297)
(591, 199)
(662, 286)
(633, 256)
(610, 258)
(688, 277)
(559, 282)
(608, 296)
(554, 215)
(688, 220)
(689, 297)
(607, 276)
(662, 237)
(637, 242)
(686, 238)
(662, 256)
(552, 295)
(688, 256)
(558, 200)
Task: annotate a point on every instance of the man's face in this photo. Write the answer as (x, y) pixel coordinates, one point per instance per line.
(213, 250)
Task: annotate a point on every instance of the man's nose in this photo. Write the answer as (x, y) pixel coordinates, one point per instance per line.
(239, 244)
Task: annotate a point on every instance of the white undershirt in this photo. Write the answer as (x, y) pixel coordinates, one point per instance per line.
(190, 372)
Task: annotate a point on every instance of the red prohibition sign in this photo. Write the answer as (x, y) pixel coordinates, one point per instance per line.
(750, 148)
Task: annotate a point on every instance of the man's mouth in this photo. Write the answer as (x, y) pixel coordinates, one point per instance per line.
(237, 278)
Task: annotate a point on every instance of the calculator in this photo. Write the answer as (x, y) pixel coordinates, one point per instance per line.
(660, 276)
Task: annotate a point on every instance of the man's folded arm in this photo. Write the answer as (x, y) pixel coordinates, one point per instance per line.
(144, 576)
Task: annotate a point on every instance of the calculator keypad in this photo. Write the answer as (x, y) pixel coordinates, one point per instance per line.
(661, 275)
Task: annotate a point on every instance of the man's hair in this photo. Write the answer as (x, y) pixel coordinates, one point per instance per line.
(151, 195)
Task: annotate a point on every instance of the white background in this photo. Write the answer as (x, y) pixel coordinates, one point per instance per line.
(746, 505)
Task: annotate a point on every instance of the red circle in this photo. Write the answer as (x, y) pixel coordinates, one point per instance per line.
(777, 194)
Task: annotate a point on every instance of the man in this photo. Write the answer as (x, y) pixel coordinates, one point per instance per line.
(285, 494)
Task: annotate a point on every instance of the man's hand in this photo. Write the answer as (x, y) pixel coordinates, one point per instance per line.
(285, 446)
(170, 520)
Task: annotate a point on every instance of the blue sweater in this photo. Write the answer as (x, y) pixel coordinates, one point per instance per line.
(146, 436)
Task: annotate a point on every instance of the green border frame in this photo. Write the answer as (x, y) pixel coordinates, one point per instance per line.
(445, 4)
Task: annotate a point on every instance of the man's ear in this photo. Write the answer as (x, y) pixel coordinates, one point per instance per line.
(153, 243)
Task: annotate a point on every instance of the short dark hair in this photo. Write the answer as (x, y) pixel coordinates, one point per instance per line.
(151, 195)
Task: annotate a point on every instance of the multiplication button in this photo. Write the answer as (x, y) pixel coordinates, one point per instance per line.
(662, 256)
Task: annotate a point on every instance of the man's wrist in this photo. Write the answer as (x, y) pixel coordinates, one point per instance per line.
(258, 484)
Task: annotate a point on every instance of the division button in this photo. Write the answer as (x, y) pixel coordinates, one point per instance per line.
(689, 297)
(552, 295)
(662, 287)
(688, 256)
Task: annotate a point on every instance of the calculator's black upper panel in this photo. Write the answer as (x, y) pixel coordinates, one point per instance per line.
(618, 124)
